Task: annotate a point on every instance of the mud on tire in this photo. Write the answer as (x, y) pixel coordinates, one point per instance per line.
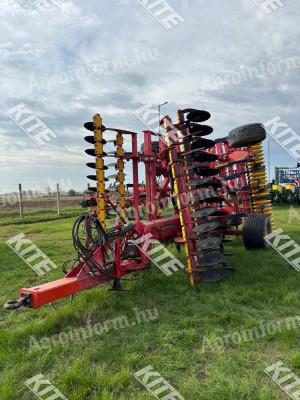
(246, 135)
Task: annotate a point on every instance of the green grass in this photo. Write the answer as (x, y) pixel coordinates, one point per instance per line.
(263, 287)
(38, 214)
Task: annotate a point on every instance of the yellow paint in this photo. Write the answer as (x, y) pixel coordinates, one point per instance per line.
(120, 151)
(98, 136)
(259, 178)
(170, 143)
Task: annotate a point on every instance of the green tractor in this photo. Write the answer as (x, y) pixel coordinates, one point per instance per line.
(285, 189)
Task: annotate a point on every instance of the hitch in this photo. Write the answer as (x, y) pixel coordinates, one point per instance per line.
(22, 302)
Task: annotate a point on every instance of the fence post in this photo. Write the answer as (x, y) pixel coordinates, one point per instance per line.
(20, 200)
(58, 198)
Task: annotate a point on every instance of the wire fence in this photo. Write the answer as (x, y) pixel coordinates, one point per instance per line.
(22, 200)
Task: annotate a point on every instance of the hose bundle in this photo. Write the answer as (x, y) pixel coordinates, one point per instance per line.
(88, 235)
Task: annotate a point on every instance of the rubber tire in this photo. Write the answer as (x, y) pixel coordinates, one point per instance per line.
(246, 135)
(255, 228)
(155, 147)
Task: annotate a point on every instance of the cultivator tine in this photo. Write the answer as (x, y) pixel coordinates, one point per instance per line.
(90, 139)
(257, 175)
(97, 177)
(94, 166)
(91, 165)
(97, 127)
(100, 177)
(120, 176)
(91, 152)
(96, 152)
(89, 126)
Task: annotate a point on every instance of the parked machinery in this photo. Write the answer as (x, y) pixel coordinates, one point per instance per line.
(215, 186)
(286, 187)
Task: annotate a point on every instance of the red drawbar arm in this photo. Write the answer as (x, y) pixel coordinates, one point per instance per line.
(78, 278)
(51, 291)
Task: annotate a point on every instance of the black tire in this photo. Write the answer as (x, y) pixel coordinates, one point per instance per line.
(255, 228)
(155, 147)
(246, 135)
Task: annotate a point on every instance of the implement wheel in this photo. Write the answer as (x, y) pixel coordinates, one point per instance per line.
(256, 227)
(246, 135)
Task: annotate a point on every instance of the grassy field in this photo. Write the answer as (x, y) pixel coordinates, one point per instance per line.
(263, 288)
(40, 208)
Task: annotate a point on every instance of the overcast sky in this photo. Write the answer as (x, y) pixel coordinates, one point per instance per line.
(66, 62)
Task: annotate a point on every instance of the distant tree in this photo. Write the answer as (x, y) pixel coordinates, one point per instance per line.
(29, 194)
(48, 190)
(72, 192)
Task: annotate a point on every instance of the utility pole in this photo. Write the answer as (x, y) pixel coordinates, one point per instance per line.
(20, 200)
(159, 108)
(58, 198)
(269, 160)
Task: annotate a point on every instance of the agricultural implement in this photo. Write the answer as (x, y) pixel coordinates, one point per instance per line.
(286, 187)
(214, 187)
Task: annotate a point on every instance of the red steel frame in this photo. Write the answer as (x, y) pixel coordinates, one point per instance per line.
(77, 279)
